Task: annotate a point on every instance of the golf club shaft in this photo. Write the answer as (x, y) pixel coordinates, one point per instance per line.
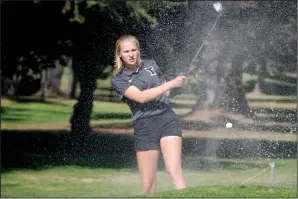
(199, 50)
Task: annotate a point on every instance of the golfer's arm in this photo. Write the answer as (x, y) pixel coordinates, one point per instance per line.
(134, 94)
(168, 92)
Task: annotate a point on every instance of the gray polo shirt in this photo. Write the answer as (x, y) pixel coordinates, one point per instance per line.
(148, 76)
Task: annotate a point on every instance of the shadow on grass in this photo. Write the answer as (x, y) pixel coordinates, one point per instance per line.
(287, 79)
(24, 99)
(283, 112)
(264, 120)
(277, 115)
(272, 88)
(220, 121)
(106, 97)
(40, 149)
(273, 100)
(106, 89)
(97, 116)
(277, 89)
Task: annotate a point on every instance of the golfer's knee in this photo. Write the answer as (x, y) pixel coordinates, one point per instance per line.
(148, 186)
(175, 173)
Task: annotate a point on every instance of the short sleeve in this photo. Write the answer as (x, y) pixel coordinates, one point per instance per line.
(120, 85)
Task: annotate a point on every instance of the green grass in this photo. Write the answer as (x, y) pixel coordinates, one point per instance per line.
(66, 182)
(237, 191)
(35, 112)
(249, 77)
(59, 112)
(76, 181)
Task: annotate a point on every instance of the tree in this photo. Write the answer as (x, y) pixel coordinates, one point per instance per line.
(272, 45)
(25, 40)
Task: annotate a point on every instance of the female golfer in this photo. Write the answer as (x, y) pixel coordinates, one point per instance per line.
(141, 85)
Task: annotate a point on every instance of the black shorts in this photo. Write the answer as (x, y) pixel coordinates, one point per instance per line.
(148, 131)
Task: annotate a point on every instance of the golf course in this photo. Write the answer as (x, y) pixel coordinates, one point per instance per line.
(42, 158)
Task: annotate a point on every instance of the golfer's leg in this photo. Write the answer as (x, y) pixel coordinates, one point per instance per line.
(147, 164)
(171, 147)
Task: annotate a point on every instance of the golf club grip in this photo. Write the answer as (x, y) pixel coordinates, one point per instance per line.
(190, 70)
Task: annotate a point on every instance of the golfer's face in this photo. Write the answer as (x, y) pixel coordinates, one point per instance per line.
(129, 53)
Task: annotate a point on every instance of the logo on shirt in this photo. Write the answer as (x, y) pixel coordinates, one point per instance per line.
(151, 70)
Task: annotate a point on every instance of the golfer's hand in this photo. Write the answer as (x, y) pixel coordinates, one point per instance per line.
(177, 82)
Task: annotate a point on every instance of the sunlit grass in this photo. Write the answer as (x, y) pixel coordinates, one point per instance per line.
(35, 112)
(60, 112)
(235, 191)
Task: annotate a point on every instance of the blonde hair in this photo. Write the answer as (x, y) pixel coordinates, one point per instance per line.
(118, 62)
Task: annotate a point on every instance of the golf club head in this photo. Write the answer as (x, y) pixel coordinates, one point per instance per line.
(218, 7)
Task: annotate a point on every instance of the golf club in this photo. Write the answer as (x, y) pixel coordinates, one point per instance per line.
(218, 7)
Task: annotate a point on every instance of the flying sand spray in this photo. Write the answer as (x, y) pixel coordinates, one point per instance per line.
(218, 7)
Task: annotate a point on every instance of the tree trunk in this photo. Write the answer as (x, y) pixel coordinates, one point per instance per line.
(73, 84)
(233, 96)
(223, 88)
(85, 73)
(259, 86)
